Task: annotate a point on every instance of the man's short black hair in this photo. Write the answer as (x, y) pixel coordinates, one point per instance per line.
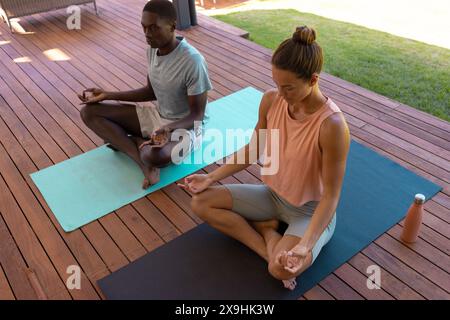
(163, 8)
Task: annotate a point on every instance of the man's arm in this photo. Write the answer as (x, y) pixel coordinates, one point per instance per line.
(197, 106)
(138, 95)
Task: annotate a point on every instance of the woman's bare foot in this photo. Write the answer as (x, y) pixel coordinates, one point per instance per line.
(290, 284)
(151, 177)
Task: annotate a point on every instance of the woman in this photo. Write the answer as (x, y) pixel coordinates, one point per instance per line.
(313, 145)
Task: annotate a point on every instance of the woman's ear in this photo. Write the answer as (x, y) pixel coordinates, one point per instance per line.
(314, 79)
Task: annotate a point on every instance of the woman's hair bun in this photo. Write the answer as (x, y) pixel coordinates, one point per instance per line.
(304, 35)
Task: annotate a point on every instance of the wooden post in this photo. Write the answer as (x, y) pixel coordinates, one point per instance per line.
(183, 14)
(193, 12)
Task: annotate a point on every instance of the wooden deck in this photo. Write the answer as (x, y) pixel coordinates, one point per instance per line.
(40, 126)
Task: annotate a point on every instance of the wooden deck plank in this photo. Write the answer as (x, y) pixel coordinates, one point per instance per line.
(156, 219)
(29, 244)
(386, 129)
(429, 137)
(435, 255)
(383, 119)
(358, 282)
(36, 137)
(57, 108)
(66, 80)
(437, 132)
(318, 293)
(438, 209)
(434, 238)
(405, 273)
(143, 232)
(39, 93)
(406, 159)
(124, 238)
(17, 153)
(212, 69)
(411, 258)
(123, 74)
(33, 126)
(443, 199)
(339, 289)
(84, 55)
(79, 245)
(422, 116)
(436, 224)
(5, 290)
(357, 92)
(408, 146)
(183, 200)
(41, 224)
(13, 264)
(102, 242)
(117, 53)
(171, 210)
(255, 50)
(389, 283)
(207, 21)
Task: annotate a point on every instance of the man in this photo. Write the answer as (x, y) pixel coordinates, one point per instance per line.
(177, 79)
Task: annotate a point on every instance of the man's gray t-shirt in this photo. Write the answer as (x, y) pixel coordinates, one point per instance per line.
(175, 76)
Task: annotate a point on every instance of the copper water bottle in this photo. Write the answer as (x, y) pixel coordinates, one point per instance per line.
(413, 219)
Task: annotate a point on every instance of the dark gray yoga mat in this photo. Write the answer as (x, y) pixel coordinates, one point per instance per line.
(204, 264)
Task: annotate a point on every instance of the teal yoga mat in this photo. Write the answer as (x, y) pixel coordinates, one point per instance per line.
(376, 195)
(91, 185)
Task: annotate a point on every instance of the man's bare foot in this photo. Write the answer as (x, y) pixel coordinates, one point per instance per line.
(151, 177)
(290, 284)
(262, 226)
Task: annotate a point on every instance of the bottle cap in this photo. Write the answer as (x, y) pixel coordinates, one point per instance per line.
(419, 198)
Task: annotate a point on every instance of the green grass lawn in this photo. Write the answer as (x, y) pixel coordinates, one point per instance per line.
(408, 71)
